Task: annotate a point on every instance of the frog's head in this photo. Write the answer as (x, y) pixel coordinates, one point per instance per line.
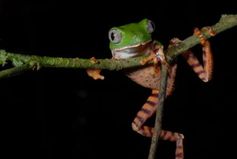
(131, 40)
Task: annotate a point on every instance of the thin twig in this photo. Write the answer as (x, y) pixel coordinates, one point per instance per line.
(158, 120)
(14, 71)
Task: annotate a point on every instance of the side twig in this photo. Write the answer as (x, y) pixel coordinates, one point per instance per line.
(14, 71)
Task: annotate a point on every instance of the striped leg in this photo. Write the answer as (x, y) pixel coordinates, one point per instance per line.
(173, 136)
(146, 112)
(204, 71)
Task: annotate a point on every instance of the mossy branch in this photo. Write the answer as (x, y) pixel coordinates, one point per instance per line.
(225, 22)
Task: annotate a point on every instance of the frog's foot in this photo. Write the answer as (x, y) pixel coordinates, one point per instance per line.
(175, 42)
(151, 58)
(95, 74)
(161, 56)
(93, 60)
(210, 30)
(156, 55)
(199, 34)
(35, 65)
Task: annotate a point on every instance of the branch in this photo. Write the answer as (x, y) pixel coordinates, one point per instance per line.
(25, 62)
(59, 62)
(225, 22)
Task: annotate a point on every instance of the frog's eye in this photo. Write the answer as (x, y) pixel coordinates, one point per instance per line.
(150, 26)
(115, 36)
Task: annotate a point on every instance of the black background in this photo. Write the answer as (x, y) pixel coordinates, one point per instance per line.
(62, 113)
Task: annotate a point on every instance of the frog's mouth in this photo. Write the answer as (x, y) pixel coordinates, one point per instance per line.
(131, 51)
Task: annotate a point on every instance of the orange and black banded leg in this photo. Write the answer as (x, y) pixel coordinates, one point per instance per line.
(204, 71)
(175, 137)
(148, 109)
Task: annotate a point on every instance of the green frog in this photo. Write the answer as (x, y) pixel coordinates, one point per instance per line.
(135, 39)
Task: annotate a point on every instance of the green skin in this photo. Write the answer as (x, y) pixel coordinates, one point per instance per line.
(133, 39)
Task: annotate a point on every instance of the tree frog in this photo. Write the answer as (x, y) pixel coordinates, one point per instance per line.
(135, 39)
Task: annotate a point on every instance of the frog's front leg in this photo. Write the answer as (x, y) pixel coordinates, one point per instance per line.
(204, 71)
(148, 109)
(94, 73)
(156, 54)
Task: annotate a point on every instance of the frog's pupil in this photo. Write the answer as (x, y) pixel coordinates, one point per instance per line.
(112, 36)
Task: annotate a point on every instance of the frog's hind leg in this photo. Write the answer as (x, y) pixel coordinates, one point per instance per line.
(178, 138)
(148, 109)
(167, 135)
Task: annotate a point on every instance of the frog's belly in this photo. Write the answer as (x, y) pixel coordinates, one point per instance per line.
(148, 76)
